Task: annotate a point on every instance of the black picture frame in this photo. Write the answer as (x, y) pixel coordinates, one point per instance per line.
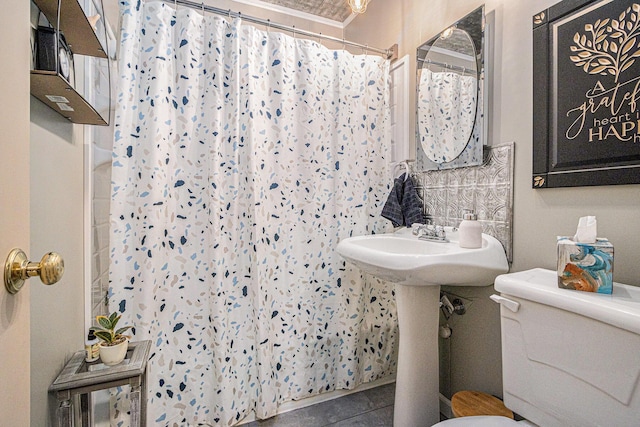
(586, 118)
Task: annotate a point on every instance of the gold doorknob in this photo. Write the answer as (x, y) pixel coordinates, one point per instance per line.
(18, 268)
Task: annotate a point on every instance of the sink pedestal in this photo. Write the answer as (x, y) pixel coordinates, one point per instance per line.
(417, 401)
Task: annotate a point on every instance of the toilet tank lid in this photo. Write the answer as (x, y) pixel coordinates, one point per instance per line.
(621, 309)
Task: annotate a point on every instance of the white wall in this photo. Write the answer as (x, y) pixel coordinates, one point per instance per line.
(539, 215)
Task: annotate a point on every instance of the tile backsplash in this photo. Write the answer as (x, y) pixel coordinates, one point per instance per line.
(487, 189)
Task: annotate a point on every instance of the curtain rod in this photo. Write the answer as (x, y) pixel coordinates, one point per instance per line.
(445, 65)
(387, 53)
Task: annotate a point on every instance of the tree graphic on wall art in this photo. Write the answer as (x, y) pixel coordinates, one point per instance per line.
(609, 46)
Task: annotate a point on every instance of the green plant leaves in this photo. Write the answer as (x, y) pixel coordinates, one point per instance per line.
(107, 330)
(104, 321)
(123, 330)
(104, 336)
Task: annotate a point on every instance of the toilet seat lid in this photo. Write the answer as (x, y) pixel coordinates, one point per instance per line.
(478, 421)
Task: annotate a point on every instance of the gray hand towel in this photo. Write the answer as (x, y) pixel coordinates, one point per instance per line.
(412, 205)
(403, 206)
(392, 209)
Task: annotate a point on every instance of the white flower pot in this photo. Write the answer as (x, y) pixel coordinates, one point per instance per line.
(114, 354)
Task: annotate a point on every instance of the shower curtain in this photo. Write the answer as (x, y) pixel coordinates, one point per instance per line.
(241, 158)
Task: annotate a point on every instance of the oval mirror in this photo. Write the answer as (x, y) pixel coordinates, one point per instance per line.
(449, 96)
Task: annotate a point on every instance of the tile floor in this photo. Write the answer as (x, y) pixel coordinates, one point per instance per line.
(369, 408)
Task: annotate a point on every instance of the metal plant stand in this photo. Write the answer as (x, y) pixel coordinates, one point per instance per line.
(81, 378)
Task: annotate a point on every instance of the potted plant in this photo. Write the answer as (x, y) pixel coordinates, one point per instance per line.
(114, 344)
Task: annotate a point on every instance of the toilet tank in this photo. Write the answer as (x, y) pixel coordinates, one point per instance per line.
(569, 358)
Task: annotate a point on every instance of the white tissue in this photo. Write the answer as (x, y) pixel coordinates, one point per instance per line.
(587, 230)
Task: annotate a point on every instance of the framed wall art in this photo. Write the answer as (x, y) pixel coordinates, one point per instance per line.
(586, 94)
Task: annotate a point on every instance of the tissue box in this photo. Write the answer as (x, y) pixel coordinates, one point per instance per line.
(585, 266)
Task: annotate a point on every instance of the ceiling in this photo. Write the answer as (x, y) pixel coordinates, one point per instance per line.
(334, 10)
(337, 11)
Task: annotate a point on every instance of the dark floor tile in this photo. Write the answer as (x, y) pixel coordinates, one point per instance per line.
(345, 407)
(350, 407)
(307, 417)
(381, 396)
(382, 417)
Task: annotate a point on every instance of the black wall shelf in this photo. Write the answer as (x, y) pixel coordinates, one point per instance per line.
(49, 86)
(52, 89)
(74, 24)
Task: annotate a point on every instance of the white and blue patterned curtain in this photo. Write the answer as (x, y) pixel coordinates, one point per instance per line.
(241, 158)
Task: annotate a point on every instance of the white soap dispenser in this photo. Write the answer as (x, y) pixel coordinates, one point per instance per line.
(470, 231)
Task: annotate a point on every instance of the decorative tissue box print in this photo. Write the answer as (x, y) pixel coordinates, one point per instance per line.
(585, 266)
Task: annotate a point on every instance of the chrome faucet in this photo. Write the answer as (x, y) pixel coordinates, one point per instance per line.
(433, 233)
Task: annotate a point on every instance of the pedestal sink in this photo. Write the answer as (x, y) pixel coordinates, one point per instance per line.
(419, 268)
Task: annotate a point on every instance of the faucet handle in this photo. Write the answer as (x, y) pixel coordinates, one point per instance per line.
(416, 228)
(439, 231)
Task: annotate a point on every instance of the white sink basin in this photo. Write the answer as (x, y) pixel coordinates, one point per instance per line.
(419, 267)
(402, 258)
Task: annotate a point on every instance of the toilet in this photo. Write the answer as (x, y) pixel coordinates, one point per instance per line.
(569, 358)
